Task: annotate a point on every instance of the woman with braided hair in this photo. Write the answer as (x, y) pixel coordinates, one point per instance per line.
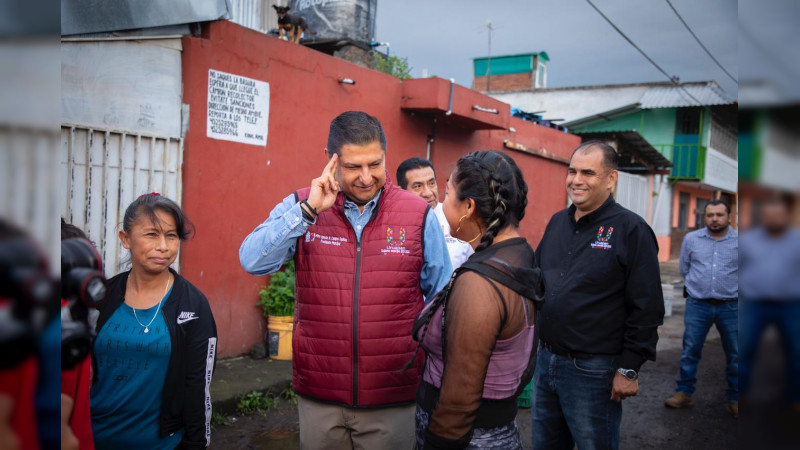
(478, 332)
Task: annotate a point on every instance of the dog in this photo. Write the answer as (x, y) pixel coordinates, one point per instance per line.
(290, 24)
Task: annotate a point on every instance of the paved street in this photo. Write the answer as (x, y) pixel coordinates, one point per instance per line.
(648, 424)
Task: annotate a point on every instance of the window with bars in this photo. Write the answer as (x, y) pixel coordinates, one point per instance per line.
(683, 211)
(687, 121)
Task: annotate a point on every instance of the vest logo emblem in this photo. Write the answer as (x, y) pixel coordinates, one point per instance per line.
(400, 241)
(395, 241)
(602, 241)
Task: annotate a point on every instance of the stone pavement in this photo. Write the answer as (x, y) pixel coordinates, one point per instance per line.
(238, 376)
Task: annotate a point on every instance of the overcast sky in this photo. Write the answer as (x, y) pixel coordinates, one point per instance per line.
(443, 36)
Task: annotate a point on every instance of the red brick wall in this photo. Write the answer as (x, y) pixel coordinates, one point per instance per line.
(508, 82)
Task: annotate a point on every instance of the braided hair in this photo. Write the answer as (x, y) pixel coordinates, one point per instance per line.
(494, 181)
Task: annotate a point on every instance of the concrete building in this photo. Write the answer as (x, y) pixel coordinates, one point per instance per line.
(526, 71)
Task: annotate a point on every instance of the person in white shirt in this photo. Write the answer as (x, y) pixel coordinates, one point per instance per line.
(417, 175)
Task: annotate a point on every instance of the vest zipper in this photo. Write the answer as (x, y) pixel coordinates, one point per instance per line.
(355, 298)
(355, 324)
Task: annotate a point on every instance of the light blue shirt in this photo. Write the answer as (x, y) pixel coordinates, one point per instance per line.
(770, 265)
(711, 266)
(274, 242)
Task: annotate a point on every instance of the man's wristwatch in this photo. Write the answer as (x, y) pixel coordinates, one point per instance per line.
(628, 373)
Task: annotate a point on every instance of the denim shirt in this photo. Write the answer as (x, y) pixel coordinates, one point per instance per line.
(274, 242)
(711, 266)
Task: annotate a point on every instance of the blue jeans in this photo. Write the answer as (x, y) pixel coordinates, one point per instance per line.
(697, 320)
(571, 403)
(785, 315)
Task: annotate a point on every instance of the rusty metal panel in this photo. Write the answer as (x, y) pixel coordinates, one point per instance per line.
(123, 85)
(257, 15)
(104, 171)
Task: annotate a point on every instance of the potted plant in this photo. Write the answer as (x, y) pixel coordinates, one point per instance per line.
(277, 304)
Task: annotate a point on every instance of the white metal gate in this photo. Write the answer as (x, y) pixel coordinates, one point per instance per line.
(633, 192)
(103, 171)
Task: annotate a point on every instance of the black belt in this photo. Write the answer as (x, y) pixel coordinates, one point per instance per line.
(718, 301)
(563, 352)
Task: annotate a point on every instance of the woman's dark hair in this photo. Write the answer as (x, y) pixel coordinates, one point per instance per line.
(494, 181)
(148, 204)
(70, 231)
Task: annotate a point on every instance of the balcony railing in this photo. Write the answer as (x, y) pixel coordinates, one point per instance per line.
(689, 160)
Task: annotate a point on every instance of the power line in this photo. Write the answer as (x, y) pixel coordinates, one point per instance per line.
(701, 44)
(767, 52)
(670, 78)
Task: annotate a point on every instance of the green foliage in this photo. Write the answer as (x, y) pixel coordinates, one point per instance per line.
(277, 299)
(217, 419)
(395, 66)
(290, 395)
(255, 401)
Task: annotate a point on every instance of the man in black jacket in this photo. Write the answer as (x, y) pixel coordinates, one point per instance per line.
(601, 312)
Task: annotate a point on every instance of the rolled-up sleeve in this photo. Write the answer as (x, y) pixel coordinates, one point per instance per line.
(273, 242)
(436, 268)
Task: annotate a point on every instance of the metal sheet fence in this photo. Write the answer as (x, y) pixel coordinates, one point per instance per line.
(28, 192)
(103, 171)
(256, 14)
(632, 193)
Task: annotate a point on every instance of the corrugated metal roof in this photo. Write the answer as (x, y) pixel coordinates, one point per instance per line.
(674, 96)
(82, 17)
(632, 141)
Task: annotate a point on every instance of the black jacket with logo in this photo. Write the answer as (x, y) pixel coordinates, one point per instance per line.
(602, 284)
(186, 403)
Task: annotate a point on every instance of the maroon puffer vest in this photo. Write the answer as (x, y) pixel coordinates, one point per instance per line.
(356, 304)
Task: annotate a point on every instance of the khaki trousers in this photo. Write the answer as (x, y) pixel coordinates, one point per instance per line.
(326, 426)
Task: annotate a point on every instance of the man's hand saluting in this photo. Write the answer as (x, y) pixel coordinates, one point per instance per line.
(325, 188)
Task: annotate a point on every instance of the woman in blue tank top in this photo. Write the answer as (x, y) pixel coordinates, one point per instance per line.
(156, 342)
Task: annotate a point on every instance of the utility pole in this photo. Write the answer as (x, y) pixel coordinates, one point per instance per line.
(489, 59)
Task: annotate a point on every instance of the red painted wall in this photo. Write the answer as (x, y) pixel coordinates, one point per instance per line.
(229, 188)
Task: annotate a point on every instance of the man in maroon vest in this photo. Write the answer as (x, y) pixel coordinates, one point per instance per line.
(366, 253)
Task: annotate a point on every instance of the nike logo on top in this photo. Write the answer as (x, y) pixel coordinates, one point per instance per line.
(185, 317)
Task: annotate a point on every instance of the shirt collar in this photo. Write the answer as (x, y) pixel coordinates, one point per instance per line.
(592, 215)
(729, 235)
(368, 207)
